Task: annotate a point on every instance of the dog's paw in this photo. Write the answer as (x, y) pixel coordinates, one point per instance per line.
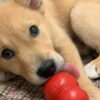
(92, 71)
(5, 76)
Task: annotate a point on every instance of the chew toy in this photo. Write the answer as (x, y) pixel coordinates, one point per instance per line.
(64, 86)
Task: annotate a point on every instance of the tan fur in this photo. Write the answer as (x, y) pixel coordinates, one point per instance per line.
(57, 18)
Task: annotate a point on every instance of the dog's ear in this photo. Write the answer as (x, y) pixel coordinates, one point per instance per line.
(33, 4)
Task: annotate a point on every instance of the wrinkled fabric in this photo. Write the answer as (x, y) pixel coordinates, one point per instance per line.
(20, 89)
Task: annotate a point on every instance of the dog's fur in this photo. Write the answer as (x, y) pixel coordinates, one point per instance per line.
(54, 18)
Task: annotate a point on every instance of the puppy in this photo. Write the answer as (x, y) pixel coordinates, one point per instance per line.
(34, 42)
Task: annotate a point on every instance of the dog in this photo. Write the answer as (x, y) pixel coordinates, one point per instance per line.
(35, 38)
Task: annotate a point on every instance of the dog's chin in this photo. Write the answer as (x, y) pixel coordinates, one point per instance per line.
(35, 79)
(39, 81)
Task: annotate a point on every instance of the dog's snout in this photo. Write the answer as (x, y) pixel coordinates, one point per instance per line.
(47, 69)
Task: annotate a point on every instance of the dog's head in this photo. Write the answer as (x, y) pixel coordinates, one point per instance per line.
(26, 46)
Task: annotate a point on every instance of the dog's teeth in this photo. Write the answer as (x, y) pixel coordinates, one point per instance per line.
(91, 72)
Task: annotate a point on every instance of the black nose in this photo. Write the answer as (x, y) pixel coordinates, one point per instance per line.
(47, 69)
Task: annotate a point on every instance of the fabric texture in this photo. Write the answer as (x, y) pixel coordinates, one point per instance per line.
(20, 89)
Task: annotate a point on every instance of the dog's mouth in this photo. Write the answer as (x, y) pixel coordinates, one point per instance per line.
(43, 74)
(96, 82)
(70, 68)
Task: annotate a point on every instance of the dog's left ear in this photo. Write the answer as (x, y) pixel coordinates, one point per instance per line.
(33, 4)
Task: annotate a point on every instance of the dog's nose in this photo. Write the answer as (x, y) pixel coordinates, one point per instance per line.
(47, 69)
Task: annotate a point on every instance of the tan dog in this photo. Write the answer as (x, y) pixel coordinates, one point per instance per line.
(33, 38)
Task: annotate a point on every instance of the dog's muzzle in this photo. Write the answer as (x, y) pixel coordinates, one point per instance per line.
(47, 69)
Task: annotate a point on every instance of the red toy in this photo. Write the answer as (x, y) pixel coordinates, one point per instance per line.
(64, 86)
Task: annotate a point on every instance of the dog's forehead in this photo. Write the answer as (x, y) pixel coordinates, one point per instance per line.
(14, 13)
(15, 21)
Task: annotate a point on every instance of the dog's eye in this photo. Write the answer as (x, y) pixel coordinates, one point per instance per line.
(7, 54)
(34, 31)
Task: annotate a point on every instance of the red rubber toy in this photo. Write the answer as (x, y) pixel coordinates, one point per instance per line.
(64, 86)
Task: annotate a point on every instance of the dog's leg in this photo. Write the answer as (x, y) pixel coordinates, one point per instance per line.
(85, 18)
(85, 21)
(67, 49)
